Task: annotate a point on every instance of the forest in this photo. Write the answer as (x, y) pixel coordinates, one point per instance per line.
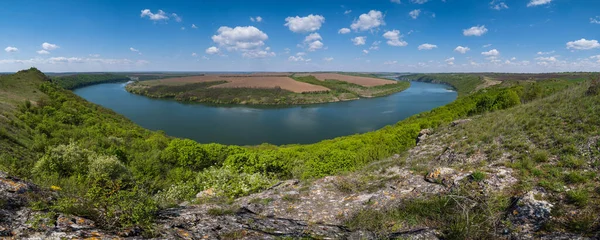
(108, 169)
(81, 80)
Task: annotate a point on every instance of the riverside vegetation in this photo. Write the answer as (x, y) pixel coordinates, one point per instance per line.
(101, 166)
(202, 92)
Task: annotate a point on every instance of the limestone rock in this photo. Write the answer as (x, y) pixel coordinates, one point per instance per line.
(529, 213)
(442, 175)
(459, 122)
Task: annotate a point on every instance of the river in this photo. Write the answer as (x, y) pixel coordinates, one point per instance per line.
(250, 125)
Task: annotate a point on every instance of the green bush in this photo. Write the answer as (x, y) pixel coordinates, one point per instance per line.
(64, 160)
(229, 183)
(107, 169)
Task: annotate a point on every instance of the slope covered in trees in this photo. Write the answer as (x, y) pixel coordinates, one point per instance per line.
(82, 80)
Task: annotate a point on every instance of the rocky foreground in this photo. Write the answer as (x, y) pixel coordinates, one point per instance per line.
(295, 209)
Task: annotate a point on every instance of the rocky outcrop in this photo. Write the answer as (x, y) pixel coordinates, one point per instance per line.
(19, 221)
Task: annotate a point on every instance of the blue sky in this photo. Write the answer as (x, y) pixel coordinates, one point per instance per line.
(310, 35)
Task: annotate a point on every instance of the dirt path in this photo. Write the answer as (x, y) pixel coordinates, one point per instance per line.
(487, 82)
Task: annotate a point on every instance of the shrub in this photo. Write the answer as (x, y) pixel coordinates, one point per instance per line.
(64, 160)
(227, 182)
(594, 88)
(175, 194)
(186, 153)
(104, 169)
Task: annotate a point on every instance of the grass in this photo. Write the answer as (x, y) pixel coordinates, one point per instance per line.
(218, 211)
(464, 214)
(478, 176)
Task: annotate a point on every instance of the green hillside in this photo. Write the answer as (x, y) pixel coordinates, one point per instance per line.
(106, 168)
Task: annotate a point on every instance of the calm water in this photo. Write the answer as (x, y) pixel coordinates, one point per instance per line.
(243, 125)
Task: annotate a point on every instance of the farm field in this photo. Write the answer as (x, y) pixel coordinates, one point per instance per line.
(362, 81)
(265, 88)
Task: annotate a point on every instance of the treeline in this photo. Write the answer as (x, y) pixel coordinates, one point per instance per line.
(82, 80)
(110, 170)
(462, 83)
(355, 90)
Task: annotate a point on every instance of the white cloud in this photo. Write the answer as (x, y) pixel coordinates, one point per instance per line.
(347, 11)
(240, 38)
(375, 45)
(492, 52)
(547, 59)
(595, 20)
(297, 59)
(309, 23)
(545, 53)
(257, 19)
(328, 59)
(176, 17)
(313, 37)
(462, 49)
(91, 55)
(66, 60)
(359, 40)
(487, 45)
(419, 1)
(182, 28)
(300, 53)
(205, 58)
(450, 61)
(49, 46)
(344, 31)
(394, 38)
(534, 3)
(475, 31)
(414, 14)
(194, 54)
(365, 51)
(367, 21)
(583, 44)
(42, 52)
(212, 50)
(390, 62)
(194, 26)
(135, 50)
(498, 4)
(160, 15)
(395, 1)
(427, 46)
(316, 45)
(10, 49)
(258, 53)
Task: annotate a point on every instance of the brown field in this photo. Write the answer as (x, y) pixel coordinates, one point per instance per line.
(363, 81)
(244, 81)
